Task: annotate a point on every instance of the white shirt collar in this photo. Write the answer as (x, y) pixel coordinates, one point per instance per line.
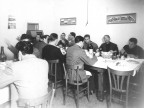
(28, 56)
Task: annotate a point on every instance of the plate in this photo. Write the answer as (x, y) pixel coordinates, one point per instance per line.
(133, 61)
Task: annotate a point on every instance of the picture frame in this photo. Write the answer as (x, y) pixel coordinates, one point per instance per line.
(68, 21)
(121, 18)
(11, 22)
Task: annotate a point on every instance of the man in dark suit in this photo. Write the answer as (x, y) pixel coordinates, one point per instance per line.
(108, 46)
(132, 50)
(63, 42)
(52, 52)
(77, 55)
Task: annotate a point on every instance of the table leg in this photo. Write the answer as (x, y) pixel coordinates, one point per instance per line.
(100, 96)
(100, 77)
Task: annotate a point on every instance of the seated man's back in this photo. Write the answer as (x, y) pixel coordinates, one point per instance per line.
(32, 77)
(29, 75)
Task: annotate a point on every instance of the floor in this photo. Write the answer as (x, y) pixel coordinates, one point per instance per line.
(94, 103)
(83, 103)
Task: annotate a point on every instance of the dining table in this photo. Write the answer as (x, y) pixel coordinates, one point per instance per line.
(100, 67)
(9, 92)
(4, 92)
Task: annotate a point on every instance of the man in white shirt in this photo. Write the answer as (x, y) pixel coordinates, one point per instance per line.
(29, 75)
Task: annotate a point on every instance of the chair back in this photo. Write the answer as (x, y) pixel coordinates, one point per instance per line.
(119, 80)
(74, 67)
(52, 75)
(73, 73)
(42, 102)
(65, 72)
(53, 67)
(75, 83)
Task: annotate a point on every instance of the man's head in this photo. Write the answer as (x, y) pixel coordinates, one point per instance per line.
(106, 39)
(38, 38)
(24, 48)
(53, 38)
(79, 41)
(63, 36)
(132, 42)
(87, 38)
(25, 37)
(72, 34)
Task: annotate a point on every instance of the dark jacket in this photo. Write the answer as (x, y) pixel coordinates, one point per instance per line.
(64, 43)
(51, 52)
(107, 47)
(137, 51)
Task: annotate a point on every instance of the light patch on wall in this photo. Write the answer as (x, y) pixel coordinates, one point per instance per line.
(68, 21)
(11, 22)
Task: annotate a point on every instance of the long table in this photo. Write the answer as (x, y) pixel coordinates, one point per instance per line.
(101, 68)
(4, 95)
(8, 93)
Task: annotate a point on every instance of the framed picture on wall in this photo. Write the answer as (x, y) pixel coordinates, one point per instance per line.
(68, 21)
(11, 22)
(121, 18)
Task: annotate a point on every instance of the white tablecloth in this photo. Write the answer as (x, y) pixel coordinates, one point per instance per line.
(4, 92)
(4, 95)
(121, 65)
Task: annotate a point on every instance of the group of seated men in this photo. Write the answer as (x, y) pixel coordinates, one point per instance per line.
(30, 73)
(132, 50)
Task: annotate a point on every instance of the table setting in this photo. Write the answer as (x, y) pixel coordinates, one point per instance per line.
(120, 63)
(5, 92)
(117, 63)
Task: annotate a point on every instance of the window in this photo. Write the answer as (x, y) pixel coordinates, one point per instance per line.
(32, 26)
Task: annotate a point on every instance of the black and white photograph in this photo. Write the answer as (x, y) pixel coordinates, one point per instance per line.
(71, 54)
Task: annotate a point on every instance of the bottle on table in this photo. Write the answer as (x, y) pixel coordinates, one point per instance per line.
(114, 56)
(123, 56)
(100, 51)
(90, 49)
(3, 57)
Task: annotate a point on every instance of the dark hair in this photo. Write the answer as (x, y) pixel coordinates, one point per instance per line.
(64, 33)
(73, 34)
(87, 35)
(78, 39)
(107, 36)
(134, 40)
(25, 47)
(25, 36)
(52, 37)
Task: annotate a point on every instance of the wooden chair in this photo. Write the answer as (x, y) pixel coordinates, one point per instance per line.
(119, 86)
(73, 86)
(53, 73)
(137, 87)
(42, 102)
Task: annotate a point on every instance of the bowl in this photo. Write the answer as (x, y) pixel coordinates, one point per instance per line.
(107, 55)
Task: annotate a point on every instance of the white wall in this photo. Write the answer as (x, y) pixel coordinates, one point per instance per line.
(48, 13)
(33, 11)
(97, 12)
(122, 32)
